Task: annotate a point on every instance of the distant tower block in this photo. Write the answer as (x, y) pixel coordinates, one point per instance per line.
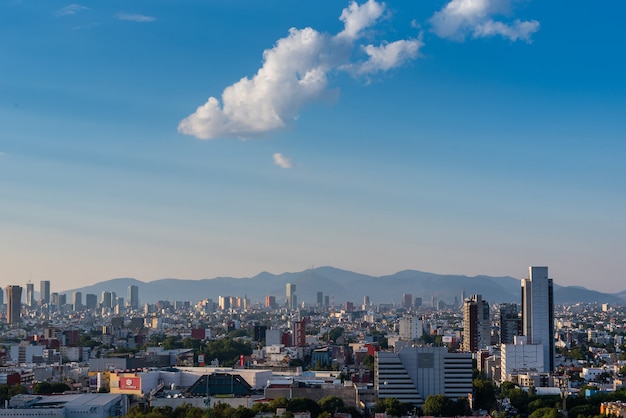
(133, 297)
(14, 304)
(366, 301)
(407, 300)
(30, 295)
(290, 290)
(44, 292)
(320, 299)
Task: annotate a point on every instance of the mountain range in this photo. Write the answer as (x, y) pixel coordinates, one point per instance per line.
(342, 285)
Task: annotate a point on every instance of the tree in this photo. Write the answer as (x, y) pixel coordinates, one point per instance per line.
(304, 405)
(546, 413)
(8, 391)
(368, 361)
(484, 393)
(392, 406)
(47, 388)
(439, 405)
(332, 404)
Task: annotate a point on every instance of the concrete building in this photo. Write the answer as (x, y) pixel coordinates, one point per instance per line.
(415, 373)
(410, 328)
(521, 358)
(476, 324)
(68, 406)
(77, 300)
(510, 323)
(538, 313)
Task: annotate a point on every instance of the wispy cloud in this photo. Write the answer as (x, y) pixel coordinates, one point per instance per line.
(462, 18)
(282, 161)
(135, 17)
(71, 9)
(296, 72)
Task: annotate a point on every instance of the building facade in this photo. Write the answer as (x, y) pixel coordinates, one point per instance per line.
(410, 328)
(14, 304)
(415, 373)
(44, 292)
(538, 312)
(476, 324)
(510, 323)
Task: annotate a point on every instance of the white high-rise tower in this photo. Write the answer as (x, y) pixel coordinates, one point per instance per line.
(538, 312)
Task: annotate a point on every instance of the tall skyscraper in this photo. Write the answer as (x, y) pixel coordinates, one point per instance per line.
(14, 304)
(290, 290)
(133, 297)
(107, 299)
(476, 324)
(1, 297)
(407, 300)
(77, 300)
(91, 301)
(538, 312)
(30, 295)
(320, 299)
(44, 292)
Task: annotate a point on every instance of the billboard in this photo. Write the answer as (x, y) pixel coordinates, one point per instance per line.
(130, 383)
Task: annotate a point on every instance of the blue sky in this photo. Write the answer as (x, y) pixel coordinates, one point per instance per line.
(463, 136)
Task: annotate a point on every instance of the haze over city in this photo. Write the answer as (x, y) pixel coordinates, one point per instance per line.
(200, 139)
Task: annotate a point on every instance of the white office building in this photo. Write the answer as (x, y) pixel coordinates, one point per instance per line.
(414, 373)
(521, 358)
(538, 313)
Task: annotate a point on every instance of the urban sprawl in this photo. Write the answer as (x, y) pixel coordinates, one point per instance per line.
(111, 356)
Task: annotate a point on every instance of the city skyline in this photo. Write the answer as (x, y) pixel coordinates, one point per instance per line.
(207, 140)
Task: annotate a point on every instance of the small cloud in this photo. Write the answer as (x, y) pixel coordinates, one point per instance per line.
(71, 9)
(282, 161)
(387, 56)
(296, 72)
(135, 17)
(461, 18)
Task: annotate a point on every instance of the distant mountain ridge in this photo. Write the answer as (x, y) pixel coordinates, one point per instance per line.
(343, 285)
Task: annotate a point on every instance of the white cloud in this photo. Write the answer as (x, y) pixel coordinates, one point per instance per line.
(71, 9)
(358, 17)
(294, 73)
(388, 56)
(282, 161)
(461, 18)
(135, 17)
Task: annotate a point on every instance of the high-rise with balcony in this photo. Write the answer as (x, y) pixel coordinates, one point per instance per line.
(476, 324)
(538, 312)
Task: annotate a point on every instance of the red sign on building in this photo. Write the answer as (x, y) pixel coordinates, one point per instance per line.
(130, 383)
